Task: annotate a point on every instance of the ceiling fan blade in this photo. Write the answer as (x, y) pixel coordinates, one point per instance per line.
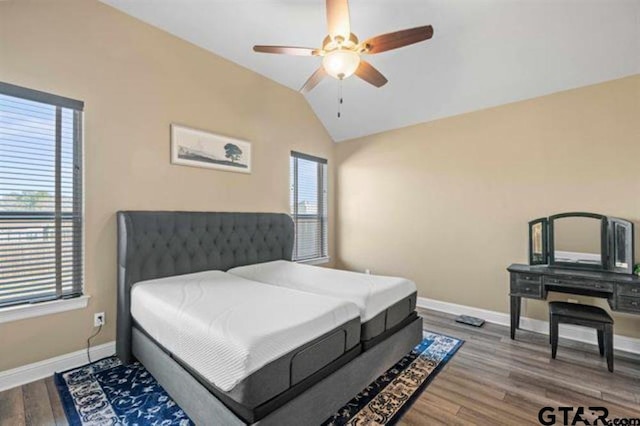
(313, 81)
(287, 50)
(397, 39)
(368, 73)
(338, 18)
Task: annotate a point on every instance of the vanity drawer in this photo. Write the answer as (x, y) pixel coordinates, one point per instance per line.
(579, 283)
(528, 279)
(629, 304)
(632, 290)
(527, 285)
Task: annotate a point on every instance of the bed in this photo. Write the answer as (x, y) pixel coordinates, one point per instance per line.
(246, 351)
(385, 303)
(303, 383)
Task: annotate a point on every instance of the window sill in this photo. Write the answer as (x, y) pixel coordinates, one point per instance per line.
(15, 313)
(316, 261)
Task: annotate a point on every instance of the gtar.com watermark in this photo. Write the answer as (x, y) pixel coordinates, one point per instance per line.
(582, 416)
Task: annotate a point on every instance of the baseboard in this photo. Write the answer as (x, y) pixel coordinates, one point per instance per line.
(41, 369)
(571, 332)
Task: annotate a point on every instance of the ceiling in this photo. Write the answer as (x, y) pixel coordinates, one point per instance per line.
(483, 53)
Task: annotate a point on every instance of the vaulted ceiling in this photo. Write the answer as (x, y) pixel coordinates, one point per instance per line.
(483, 53)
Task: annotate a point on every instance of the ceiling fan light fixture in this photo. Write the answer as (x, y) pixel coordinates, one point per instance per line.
(341, 48)
(341, 63)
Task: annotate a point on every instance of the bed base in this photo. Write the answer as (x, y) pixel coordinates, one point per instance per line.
(311, 407)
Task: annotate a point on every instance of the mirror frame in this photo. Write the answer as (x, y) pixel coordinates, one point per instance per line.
(604, 249)
(629, 246)
(545, 243)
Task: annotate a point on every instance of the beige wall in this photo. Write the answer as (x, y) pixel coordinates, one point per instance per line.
(135, 81)
(447, 203)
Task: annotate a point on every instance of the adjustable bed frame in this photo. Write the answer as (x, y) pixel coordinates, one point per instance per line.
(162, 244)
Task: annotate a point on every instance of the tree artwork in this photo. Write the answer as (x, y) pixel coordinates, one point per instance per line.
(233, 152)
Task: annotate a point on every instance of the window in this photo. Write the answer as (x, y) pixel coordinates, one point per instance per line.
(308, 199)
(40, 196)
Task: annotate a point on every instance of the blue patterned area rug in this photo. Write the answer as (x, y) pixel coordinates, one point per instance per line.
(108, 393)
(385, 400)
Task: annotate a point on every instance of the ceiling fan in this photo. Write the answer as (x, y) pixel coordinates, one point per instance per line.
(341, 51)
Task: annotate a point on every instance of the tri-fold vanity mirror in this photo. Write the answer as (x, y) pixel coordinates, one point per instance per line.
(583, 241)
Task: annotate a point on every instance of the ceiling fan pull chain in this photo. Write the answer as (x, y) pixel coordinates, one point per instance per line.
(340, 99)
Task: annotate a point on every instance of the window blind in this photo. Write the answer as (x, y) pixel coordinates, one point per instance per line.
(40, 196)
(308, 200)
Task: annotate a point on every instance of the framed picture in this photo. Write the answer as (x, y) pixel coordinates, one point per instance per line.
(197, 148)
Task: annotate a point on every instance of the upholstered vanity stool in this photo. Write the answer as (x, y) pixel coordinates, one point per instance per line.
(586, 316)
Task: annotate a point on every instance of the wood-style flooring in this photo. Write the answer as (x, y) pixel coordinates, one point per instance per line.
(492, 380)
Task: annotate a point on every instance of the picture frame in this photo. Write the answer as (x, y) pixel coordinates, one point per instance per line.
(198, 148)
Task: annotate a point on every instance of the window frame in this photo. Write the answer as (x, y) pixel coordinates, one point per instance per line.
(76, 299)
(322, 214)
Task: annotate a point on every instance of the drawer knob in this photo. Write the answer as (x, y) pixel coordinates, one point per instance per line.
(634, 290)
(527, 288)
(527, 278)
(634, 303)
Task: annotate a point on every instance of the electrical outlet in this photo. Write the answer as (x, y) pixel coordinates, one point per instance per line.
(572, 300)
(98, 319)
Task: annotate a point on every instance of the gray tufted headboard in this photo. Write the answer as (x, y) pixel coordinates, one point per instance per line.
(161, 244)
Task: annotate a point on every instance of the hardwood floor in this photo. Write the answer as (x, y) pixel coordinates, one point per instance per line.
(492, 380)
(35, 403)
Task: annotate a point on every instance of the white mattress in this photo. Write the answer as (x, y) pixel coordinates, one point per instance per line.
(371, 293)
(226, 327)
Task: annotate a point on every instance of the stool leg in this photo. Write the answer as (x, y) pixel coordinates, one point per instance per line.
(554, 336)
(601, 342)
(550, 334)
(608, 337)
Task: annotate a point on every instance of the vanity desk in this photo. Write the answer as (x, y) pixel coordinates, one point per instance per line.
(577, 253)
(622, 291)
